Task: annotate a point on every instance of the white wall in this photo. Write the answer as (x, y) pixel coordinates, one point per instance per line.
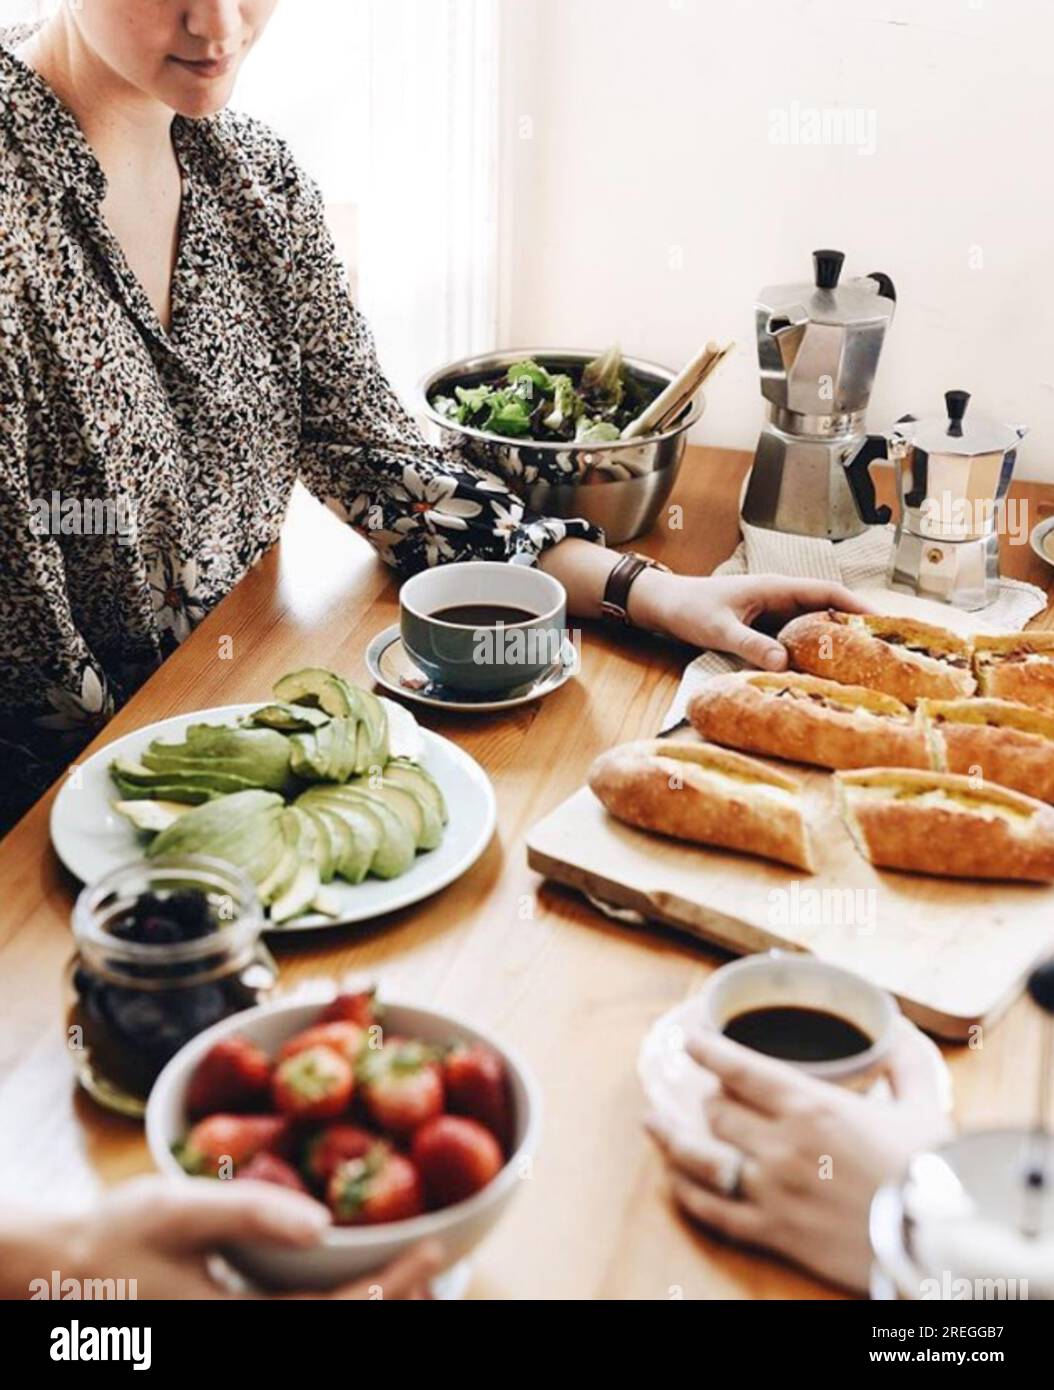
(645, 202)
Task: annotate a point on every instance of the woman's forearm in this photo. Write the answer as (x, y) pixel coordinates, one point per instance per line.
(583, 569)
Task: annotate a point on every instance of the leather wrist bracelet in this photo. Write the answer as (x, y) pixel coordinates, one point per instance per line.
(614, 605)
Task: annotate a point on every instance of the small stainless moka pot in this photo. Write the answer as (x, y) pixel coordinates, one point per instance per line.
(818, 348)
(952, 479)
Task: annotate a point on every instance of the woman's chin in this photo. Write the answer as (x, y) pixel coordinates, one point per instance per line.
(195, 104)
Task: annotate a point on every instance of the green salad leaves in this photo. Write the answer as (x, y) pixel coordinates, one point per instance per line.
(531, 402)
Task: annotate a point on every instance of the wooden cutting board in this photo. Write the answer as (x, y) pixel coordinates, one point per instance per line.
(954, 952)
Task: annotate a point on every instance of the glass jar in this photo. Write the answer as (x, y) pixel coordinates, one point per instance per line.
(134, 1003)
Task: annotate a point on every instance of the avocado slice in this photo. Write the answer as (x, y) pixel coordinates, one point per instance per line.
(357, 833)
(260, 756)
(206, 827)
(281, 878)
(207, 778)
(395, 854)
(312, 686)
(306, 759)
(162, 791)
(329, 846)
(298, 897)
(151, 815)
(412, 775)
(420, 816)
(289, 719)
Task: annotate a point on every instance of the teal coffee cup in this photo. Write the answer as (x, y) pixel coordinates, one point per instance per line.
(483, 625)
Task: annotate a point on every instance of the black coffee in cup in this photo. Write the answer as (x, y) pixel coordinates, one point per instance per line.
(797, 1034)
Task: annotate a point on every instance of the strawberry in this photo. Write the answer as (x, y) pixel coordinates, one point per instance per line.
(477, 1086)
(335, 1145)
(265, 1167)
(402, 1085)
(382, 1186)
(315, 1084)
(361, 1008)
(233, 1140)
(342, 1036)
(233, 1075)
(455, 1157)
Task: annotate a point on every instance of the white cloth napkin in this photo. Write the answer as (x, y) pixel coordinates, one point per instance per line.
(860, 564)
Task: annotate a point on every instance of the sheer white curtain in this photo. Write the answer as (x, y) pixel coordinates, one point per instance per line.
(429, 211)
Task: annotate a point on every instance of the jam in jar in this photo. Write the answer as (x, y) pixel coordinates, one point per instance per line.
(164, 950)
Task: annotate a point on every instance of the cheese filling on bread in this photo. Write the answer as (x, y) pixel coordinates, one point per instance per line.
(721, 779)
(946, 800)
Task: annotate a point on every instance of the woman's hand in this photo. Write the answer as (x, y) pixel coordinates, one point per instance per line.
(718, 612)
(160, 1233)
(812, 1154)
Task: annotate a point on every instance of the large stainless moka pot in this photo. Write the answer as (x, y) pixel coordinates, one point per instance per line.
(952, 479)
(818, 349)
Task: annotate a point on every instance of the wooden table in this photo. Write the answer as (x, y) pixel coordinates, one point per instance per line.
(569, 989)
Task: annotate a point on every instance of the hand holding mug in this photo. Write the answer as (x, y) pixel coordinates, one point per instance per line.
(791, 1162)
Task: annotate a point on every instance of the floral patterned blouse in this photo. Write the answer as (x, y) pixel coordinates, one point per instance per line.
(142, 471)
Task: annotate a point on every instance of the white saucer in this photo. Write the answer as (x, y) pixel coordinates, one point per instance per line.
(391, 666)
(1043, 531)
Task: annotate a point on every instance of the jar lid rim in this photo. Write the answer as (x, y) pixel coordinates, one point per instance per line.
(190, 871)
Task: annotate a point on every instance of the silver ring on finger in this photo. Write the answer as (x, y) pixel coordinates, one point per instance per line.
(732, 1184)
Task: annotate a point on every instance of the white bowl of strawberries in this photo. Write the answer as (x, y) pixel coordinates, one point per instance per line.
(407, 1124)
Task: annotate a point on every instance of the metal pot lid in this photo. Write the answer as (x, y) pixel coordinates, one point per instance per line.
(982, 1208)
(954, 433)
(866, 299)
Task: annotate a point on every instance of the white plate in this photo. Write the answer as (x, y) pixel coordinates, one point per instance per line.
(91, 838)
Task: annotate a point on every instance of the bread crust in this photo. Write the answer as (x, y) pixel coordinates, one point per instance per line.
(670, 787)
(857, 649)
(808, 720)
(956, 831)
(1004, 742)
(1016, 666)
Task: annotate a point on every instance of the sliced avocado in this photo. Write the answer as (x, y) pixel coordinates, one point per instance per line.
(151, 815)
(306, 758)
(162, 791)
(326, 903)
(207, 778)
(260, 756)
(381, 844)
(395, 854)
(264, 857)
(419, 817)
(329, 846)
(300, 894)
(289, 719)
(374, 752)
(206, 826)
(407, 774)
(358, 835)
(306, 687)
(336, 744)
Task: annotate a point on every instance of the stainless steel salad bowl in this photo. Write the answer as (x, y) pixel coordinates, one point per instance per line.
(619, 485)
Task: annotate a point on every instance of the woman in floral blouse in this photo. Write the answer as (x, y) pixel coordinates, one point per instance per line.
(177, 347)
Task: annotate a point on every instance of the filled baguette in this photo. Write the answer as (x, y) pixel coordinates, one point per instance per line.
(699, 792)
(940, 823)
(998, 740)
(897, 656)
(808, 720)
(1016, 666)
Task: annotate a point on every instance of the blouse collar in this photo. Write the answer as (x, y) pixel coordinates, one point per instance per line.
(44, 128)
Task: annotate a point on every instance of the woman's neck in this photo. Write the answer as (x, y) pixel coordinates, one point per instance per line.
(125, 127)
